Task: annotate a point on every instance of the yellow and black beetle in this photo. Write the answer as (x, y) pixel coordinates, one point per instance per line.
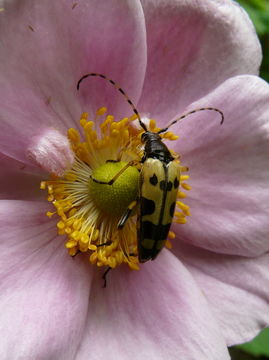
(159, 183)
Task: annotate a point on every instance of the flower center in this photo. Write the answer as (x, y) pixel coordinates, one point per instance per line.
(113, 199)
(91, 197)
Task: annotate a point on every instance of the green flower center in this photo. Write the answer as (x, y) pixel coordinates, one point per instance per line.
(114, 199)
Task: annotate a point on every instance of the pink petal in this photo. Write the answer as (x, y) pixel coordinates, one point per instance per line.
(229, 170)
(18, 181)
(52, 152)
(236, 288)
(44, 293)
(192, 47)
(156, 313)
(45, 47)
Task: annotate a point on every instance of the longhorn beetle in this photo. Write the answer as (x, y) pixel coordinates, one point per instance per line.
(159, 183)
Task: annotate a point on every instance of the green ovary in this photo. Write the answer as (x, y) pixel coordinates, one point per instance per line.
(114, 199)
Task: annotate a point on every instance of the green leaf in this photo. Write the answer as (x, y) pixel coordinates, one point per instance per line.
(259, 346)
(258, 11)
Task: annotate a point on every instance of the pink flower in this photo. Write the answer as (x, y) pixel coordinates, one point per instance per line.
(171, 56)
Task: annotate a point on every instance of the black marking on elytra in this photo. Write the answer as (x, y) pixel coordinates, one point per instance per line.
(166, 185)
(153, 180)
(169, 186)
(176, 183)
(162, 185)
(147, 206)
(164, 231)
(147, 228)
(147, 254)
(157, 232)
(172, 209)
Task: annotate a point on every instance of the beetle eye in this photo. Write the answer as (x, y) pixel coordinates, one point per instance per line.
(144, 137)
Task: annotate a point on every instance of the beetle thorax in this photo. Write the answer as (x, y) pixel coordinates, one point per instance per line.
(155, 148)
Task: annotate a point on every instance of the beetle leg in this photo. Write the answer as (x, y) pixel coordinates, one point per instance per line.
(111, 182)
(105, 243)
(73, 256)
(126, 214)
(112, 161)
(104, 276)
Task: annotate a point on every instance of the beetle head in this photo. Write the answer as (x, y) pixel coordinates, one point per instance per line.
(150, 136)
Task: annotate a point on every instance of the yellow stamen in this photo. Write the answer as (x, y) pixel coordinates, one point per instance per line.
(181, 195)
(186, 186)
(101, 111)
(168, 244)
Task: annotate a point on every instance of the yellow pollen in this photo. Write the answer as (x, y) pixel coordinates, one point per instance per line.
(186, 186)
(170, 136)
(168, 244)
(101, 111)
(89, 207)
(181, 195)
(152, 125)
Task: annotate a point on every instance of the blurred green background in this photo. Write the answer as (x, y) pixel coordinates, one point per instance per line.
(258, 11)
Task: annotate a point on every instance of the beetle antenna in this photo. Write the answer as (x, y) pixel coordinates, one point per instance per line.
(192, 112)
(120, 90)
